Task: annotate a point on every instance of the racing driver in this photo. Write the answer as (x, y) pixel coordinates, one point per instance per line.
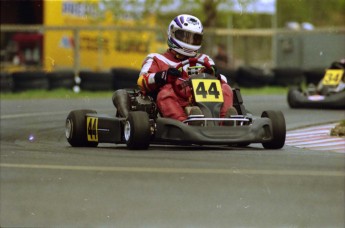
(159, 72)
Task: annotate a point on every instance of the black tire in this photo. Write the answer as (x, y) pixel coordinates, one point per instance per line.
(6, 82)
(30, 80)
(75, 129)
(291, 97)
(96, 81)
(137, 132)
(249, 77)
(230, 74)
(287, 76)
(124, 78)
(314, 76)
(61, 79)
(278, 129)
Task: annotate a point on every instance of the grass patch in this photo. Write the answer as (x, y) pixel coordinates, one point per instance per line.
(65, 93)
(342, 123)
(268, 90)
(339, 129)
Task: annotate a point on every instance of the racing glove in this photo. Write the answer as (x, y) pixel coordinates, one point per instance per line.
(211, 70)
(214, 71)
(167, 76)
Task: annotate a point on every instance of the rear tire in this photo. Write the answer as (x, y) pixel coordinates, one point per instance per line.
(75, 129)
(278, 129)
(137, 130)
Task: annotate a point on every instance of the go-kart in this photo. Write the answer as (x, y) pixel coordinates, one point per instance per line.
(328, 94)
(143, 125)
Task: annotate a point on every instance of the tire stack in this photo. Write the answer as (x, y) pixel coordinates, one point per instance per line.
(61, 79)
(96, 81)
(251, 77)
(124, 78)
(27, 80)
(6, 82)
(230, 74)
(314, 76)
(288, 76)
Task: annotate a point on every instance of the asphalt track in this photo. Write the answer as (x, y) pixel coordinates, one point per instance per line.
(47, 183)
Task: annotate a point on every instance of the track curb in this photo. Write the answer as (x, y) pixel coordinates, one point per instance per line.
(316, 137)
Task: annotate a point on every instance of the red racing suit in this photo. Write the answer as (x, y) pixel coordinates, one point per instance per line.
(169, 103)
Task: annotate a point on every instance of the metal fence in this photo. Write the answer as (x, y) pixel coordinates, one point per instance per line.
(265, 48)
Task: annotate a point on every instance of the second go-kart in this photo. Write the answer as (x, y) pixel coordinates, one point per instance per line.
(143, 125)
(328, 94)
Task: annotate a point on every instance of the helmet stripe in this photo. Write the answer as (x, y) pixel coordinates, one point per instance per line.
(178, 22)
(174, 42)
(182, 19)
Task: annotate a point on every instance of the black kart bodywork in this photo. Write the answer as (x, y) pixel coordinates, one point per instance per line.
(297, 98)
(144, 126)
(328, 94)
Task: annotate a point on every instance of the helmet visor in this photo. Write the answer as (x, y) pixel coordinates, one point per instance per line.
(188, 37)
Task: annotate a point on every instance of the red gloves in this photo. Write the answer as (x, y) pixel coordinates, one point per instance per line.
(210, 69)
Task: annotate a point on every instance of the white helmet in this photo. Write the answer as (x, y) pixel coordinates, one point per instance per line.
(185, 34)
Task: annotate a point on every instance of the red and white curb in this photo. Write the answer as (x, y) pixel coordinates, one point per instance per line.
(316, 138)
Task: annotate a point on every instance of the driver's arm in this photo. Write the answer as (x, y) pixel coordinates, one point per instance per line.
(152, 76)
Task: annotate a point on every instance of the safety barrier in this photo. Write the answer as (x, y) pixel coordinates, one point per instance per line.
(117, 78)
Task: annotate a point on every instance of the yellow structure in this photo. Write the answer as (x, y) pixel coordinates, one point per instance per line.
(98, 49)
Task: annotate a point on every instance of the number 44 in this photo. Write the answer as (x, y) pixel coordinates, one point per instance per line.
(212, 90)
(207, 90)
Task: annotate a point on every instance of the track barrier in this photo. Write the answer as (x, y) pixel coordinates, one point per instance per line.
(117, 78)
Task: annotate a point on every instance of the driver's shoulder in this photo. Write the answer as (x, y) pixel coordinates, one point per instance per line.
(157, 58)
(152, 55)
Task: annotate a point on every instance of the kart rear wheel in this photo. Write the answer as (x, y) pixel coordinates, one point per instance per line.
(278, 129)
(137, 132)
(75, 129)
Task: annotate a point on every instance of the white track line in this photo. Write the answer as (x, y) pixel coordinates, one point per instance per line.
(178, 170)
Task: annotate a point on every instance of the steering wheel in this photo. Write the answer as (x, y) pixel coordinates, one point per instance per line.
(193, 62)
(182, 86)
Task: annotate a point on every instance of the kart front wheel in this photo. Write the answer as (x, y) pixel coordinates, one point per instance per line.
(292, 96)
(278, 129)
(75, 129)
(137, 132)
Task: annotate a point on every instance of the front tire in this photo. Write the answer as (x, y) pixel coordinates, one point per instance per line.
(278, 129)
(137, 131)
(75, 129)
(291, 98)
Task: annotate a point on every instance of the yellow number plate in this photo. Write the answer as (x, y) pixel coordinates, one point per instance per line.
(92, 129)
(332, 77)
(207, 90)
